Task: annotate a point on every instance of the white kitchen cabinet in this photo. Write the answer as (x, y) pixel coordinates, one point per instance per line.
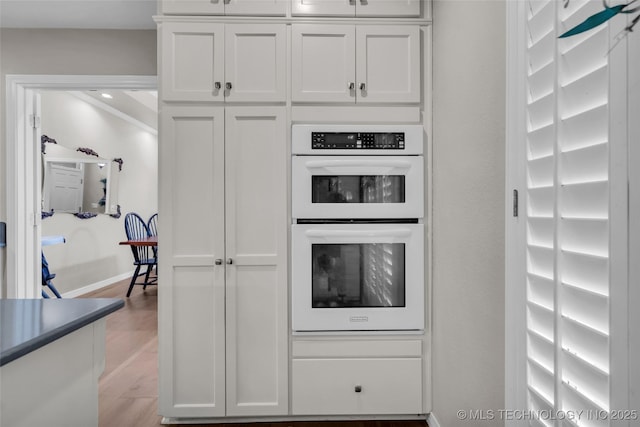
(355, 64)
(224, 7)
(223, 62)
(359, 8)
(356, 378)
(223, 347)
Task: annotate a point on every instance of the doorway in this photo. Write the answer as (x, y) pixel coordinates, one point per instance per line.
(23, 172)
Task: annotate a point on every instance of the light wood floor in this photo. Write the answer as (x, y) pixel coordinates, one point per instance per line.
(128, 389)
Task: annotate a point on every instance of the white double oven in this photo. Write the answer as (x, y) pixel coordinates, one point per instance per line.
(357, 234)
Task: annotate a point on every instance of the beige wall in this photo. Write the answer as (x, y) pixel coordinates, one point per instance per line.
(468, 200)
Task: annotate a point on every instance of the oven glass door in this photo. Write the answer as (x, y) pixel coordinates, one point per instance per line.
(357, 277)
(357, 187)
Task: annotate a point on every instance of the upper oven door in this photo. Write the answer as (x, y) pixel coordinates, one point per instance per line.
(357, 187)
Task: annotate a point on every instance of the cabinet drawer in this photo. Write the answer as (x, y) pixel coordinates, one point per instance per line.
(330, 386)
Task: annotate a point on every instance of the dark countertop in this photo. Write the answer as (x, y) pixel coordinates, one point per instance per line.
(28, 324)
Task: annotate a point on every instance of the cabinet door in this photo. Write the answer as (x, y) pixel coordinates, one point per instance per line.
(192, 61)
(228, 7)
(191, 292)
(388, 63)
(388, 8)
(256, 212)
(323, 63)
(256, 7)
(192, 7)
(256, 62)
(323, 7)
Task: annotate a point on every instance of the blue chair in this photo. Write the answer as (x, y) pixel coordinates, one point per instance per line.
(136, 229)
(47, 276)
(152, 224)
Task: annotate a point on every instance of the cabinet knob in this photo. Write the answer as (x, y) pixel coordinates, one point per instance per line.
(229, 261)
(217, 85)
(363, 86)
(228, 85)
(218, 261)
(352, 86)
(358, 388)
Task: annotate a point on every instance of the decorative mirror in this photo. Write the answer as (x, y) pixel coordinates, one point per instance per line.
(78, 181)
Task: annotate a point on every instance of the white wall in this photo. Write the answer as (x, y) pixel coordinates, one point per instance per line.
(91, 253)
(468, 201)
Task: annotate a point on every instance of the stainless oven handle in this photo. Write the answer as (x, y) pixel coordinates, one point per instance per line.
(316, 164)
(400, 232)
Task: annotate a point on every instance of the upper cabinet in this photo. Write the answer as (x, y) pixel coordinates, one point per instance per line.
(361, 64)
(224, 7)
(223, 62)
(360, 8)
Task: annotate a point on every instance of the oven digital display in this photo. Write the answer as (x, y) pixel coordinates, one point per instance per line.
(357, 140)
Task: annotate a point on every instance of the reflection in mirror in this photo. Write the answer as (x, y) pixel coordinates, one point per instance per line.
(77, 183)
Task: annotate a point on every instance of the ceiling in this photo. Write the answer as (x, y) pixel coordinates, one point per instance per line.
(87, 14)
(137, 106)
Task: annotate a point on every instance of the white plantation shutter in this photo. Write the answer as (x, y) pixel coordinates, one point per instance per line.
(567, 205)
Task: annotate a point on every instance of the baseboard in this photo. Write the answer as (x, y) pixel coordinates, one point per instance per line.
(98, 285)
(432, 421)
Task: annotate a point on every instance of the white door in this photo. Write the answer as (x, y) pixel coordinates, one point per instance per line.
(256, 224)
(191, 294)
(255, 62)
(388, 8)
(323, 63)
(192, 61)
(388, 64)
(65, 188)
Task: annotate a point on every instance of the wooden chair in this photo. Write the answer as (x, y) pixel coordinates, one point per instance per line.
(136, 228)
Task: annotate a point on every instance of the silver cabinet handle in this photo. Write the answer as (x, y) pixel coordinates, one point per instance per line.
(218, 261)
(352, 86)
(358, 389)
(228, 86)
(229, 261)
(217, 85)
(362, 86)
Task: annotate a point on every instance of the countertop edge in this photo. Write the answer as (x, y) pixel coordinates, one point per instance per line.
(33, 344)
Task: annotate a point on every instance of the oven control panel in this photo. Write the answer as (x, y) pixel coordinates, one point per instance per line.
(357, 140)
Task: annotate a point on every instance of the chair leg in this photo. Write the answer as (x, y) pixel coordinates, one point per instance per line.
(133, 280)
(146, 276)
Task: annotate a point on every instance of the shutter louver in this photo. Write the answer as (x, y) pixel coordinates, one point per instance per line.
(567, 215)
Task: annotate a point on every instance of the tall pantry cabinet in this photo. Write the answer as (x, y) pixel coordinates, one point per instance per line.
(223, 343)
(234, 75)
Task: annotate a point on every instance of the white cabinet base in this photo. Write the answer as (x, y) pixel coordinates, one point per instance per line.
(56, 385)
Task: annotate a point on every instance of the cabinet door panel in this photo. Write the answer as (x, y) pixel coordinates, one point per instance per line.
(192, 7)
(388, 8)
(388, 64)
(191, 292)
(256, 212)
(256, 7)
(323, 7)
(192, 61)
(323, 63)
(256, 62)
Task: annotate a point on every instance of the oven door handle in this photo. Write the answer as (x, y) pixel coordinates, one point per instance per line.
(399, 232)
(318, 164)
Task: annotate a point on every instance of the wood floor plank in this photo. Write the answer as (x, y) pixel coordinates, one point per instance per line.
(128, 388)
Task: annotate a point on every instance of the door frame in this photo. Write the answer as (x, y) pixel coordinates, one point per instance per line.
(23, 164)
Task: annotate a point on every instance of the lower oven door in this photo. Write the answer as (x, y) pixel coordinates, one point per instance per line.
(357, 277)
(365, 187)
